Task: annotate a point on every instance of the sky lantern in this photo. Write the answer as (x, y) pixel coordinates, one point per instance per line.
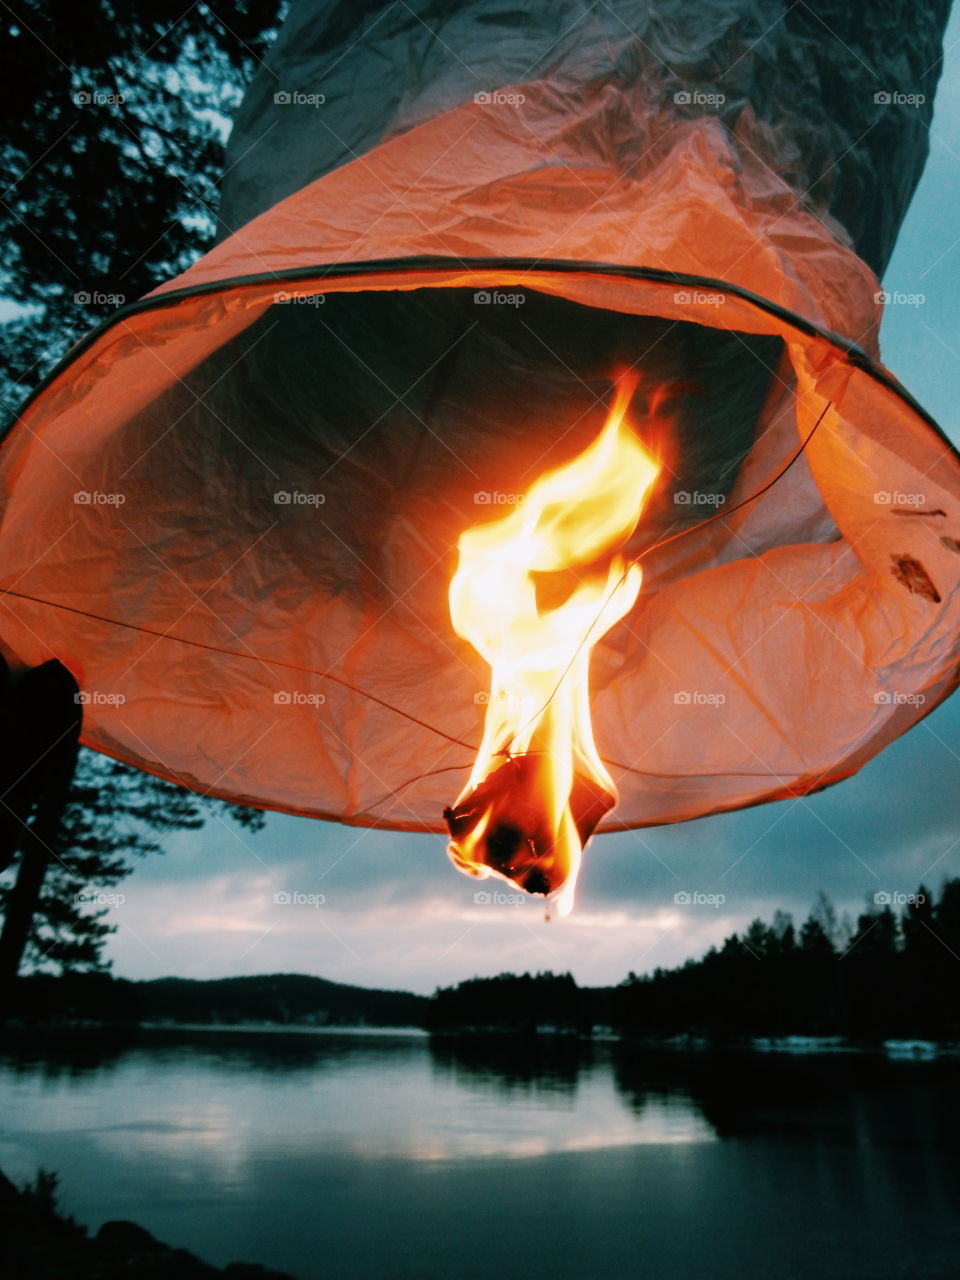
(520, 463)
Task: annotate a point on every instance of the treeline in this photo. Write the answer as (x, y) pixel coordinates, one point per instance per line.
(282, 998)
(894, 974)
(523, 1003)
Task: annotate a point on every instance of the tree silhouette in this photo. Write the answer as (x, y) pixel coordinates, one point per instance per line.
(109, 174)
(109, 168)
(895, 977)
(114, 815)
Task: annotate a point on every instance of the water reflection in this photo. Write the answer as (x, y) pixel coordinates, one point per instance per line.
(513, 1065)
(363, 1156)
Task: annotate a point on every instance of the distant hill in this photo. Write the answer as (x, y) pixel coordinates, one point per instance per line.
(278, 997)
(281, 998)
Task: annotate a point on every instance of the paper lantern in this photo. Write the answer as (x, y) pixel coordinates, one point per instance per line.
(233, 510)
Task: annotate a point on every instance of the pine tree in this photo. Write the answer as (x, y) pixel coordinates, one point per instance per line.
(111, 158)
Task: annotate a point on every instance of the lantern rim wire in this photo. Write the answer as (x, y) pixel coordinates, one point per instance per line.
(849, 349)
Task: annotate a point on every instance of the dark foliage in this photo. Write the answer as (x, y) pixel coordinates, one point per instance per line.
(38, 1243)
(110, 162)
(892, 976)
(524, 1003)
(280, 998)
(895, 977)
(114, 816)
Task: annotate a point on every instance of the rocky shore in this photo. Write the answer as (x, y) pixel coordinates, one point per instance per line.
(37, 1242)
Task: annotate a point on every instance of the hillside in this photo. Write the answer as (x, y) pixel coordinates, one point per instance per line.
(278, 997)
(281, 998)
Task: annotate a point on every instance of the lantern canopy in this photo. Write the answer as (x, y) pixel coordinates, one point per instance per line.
(233, 510)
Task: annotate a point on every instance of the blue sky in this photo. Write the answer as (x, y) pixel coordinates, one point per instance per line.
(394, 911)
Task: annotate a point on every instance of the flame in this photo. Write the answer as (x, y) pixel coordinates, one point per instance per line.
(533, 592)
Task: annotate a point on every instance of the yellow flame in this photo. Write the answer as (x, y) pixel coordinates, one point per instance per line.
(571, 524)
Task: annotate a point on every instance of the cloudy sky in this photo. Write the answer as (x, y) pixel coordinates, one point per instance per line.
(395, 912)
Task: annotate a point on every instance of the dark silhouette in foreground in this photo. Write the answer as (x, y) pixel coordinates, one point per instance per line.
(42, 715)
(38, 1243)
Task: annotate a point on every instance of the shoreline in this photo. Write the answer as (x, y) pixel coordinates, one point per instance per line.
(796, 1046)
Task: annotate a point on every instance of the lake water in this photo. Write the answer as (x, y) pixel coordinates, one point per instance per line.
(375, 1156)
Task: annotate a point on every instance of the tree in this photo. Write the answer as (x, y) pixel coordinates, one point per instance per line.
(813, 939)
(784, 933)
(109, 177)
(109, 169)
(114, 815)
(918, 924)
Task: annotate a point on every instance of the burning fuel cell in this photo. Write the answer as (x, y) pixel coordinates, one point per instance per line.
(539, 788)
(426, 291)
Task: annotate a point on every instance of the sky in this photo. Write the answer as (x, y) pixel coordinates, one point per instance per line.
(382, 909)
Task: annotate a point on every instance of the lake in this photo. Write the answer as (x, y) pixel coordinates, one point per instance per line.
(375, 1156)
